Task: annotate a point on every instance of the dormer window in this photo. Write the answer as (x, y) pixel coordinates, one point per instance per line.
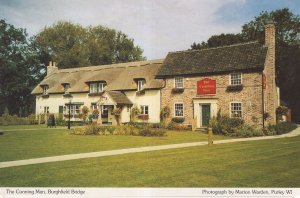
(66, 88)
(235, 79)
(140, 84)
(97, 87)
(179, 82)
(45, 89)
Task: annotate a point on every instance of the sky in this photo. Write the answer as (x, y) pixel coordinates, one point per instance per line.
(157, 26)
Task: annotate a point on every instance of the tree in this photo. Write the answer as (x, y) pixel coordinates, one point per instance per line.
(287, 50)
(18, 70)
(71, 45)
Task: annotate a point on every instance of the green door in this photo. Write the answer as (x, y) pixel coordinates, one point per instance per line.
(205, 115)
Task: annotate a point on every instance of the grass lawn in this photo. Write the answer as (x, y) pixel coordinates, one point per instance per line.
(25, 144)
(265, 163)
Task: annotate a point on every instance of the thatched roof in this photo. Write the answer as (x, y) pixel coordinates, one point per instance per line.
(117, 76)
(245, 56)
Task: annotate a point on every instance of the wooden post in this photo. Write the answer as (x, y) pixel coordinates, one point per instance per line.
(210, 137)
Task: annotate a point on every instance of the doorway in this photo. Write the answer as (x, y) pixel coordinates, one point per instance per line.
(205, 114)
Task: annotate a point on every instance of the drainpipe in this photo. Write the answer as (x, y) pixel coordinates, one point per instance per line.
(263, 100)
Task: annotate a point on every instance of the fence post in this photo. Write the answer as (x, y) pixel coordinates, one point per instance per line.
(210, 137)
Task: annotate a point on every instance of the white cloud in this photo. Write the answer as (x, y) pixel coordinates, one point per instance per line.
(158, 26)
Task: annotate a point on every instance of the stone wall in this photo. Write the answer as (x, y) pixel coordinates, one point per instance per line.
(270, 92)
(250, 96)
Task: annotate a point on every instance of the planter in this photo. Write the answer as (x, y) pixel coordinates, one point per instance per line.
(178, 119)
(68, 95)
(45, 96)
(177, 90)
(143, 117)
(96, 94)
(233, 88)
(140, 93)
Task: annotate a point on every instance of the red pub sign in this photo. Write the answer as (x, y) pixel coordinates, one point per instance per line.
(206, 86)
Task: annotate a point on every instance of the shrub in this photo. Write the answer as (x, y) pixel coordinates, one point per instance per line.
(95, 114)
(165, 113)
(281, 128)
(177, 126)
(1, 133)
(6, 119)
(148, 132)
(135, 112)
(85, 112)
(247, 131)
(225, 125)
(178, 119)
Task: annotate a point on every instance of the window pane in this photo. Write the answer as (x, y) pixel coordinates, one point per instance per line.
(178, 109)
(236, 110)
(236, 78)
(179, 82)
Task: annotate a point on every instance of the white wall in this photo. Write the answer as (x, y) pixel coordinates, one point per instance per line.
(150, 98)
(56, 100)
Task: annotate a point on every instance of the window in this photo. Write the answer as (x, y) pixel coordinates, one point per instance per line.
(104, 110)
(45, 89)
(141, 84)
(97, 87)
(144, 110)
(66, 88)
(46, 110)
(94, 106)
(179, 82)
(74, 109)
(236, 79)
(178, 109)
(236, 110)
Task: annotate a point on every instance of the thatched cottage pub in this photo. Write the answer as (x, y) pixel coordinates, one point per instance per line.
(236, 80)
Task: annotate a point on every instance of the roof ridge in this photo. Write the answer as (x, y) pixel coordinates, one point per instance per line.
(111, 66)
(213, 48)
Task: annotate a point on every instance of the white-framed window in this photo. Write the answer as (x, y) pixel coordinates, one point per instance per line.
(236, 110)
(66, 88)
(45, 89)
(97, 87)
(74, 109)
(104, 110)
(94, 106)
(140, 84)
(178, 109)
(144, 110)
(235, 78)
(178, 82)
(46, 109)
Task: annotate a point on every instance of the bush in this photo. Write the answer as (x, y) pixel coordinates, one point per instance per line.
(281, 128)
(176, 126)
(15, 120)
(148, 132)
(225, 125)
(178, 119)
(247, 131)
(165, 113)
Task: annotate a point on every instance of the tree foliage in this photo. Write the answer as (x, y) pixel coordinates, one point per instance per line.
(72, 45)
(287, 50)
(19, 70)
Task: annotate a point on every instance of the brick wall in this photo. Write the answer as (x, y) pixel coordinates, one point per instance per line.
(270, 93)
(250, 96)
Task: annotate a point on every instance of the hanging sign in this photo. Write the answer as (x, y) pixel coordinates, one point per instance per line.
(206, 86)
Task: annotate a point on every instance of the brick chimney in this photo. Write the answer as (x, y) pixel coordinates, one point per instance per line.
(51, 68)
(270, 93)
